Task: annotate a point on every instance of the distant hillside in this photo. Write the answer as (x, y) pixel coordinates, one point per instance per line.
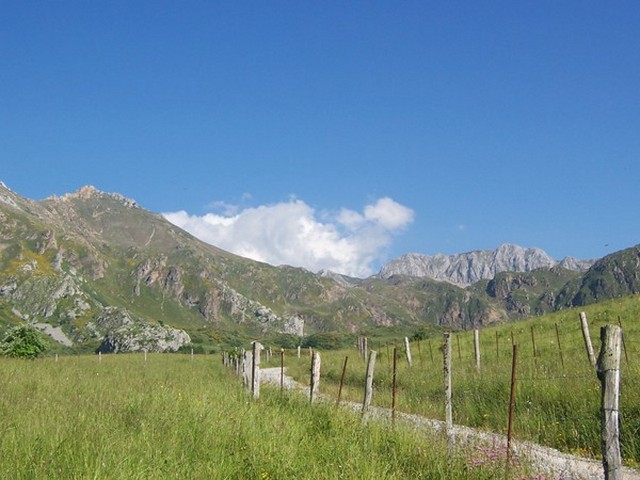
(465, 269)
(94, 271)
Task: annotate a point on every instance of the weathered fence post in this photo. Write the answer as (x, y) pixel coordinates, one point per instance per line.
(407, 351)
(298, 351)
(247, 362)
(533, 346)
(368, 387)
(240, 363)
(512, 402)
(587, 338)
(394, 386)
(255, 370)
(447, 387)
(344, 372)
(281, 370)
(608, 370)
(476, 347)
(315, 376)
(559, 346)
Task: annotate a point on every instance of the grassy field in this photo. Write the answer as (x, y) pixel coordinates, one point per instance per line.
(557, 398)
(173, 416)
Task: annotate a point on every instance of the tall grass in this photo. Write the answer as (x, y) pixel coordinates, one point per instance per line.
(177, 417)
(556, 405)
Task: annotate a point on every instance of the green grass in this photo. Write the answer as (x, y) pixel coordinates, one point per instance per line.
(177, 417)
(556, 405)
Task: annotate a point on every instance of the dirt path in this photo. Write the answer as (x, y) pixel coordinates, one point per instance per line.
(554, 462)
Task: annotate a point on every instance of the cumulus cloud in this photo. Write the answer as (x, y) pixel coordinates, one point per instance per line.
(293, 233)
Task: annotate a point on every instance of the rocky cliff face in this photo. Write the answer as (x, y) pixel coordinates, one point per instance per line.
(121, 333)
(468, 268)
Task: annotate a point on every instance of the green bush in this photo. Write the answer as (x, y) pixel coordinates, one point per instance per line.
(22, 341)
(328, 341)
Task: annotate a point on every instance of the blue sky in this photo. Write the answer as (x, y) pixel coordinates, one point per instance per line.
(335, 134)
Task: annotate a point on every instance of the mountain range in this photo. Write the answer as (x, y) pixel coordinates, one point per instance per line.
(96, 271)
(468, 268)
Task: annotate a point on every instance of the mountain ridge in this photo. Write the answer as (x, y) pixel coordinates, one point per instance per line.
(465, 269)
(105, 274)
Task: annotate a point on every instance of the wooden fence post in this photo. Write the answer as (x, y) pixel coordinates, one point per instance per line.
(281, 369)
(476, 347)
(559, 346)
(315, 376)
(430, 351)
(255, 370)
(608, 370)
(344, 372)
(512, 402)
(247, 362)
(394, 386)
(587, 338)
(298, 351)
(368, 387)
(407, 351)
(447, 386)
(533, 346)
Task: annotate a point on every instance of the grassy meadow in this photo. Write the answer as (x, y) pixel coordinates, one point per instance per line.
(174, 416)
(178, 416)
(557, 397)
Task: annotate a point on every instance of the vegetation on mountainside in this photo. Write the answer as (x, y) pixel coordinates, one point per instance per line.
(65, 260)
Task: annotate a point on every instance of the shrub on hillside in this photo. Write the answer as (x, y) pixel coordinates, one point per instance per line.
(22, 341)
(328, 341)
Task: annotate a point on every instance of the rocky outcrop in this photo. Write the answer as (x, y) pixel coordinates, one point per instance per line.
(121, 333)
(148, 272)
(575, 264)
(467, 268)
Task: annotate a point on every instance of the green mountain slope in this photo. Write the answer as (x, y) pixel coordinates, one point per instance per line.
(95, 270)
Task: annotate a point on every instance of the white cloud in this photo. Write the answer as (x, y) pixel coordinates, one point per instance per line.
(292, 233)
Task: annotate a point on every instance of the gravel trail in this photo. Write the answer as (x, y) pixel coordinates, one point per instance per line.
(559, 464)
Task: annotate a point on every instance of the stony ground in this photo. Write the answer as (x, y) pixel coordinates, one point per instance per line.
(548, 460)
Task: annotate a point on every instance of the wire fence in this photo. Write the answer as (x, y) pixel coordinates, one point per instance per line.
(557, 395)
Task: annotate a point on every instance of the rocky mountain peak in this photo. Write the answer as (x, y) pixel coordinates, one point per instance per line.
(89, 192)
(467, 268)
